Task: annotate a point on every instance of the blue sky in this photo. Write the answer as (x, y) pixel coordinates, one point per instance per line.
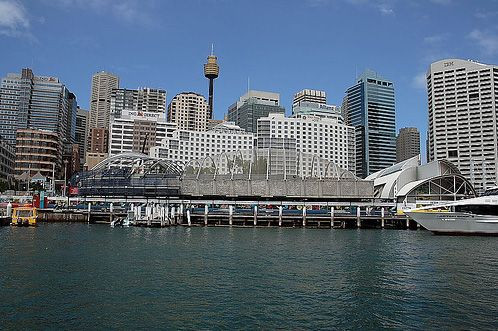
(281, 45)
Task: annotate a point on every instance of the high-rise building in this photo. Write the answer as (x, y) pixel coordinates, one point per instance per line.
(100, 100)
(136, 131)
(211, 72)
(252, 106)
(327, 138)
(100, 112)
(147, 100)
(81, 133)
(37, 103)
(463, 118)
(307, 95)
(189, 110)
(407, 144)
(72, 106)
(370, 109)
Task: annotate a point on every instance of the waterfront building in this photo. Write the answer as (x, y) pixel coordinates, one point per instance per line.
(370, 109)
(252, 106)
(38, 151)
(307, 95)
(463, 118)
(211, 72)
(81, 133)
(407, 144)
(103, 84)
(413, 185)
(187, 145)
(147, 100)
(7, 159)
(316, 109)
(190, 111)
(37, 102)
(327, 138)
(137, 131)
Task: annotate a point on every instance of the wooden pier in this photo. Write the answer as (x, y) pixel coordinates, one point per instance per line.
(157, 215)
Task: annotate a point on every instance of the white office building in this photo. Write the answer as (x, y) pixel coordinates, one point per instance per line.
(137, 131)
(327, 138)
(463, 118)
(187, 145)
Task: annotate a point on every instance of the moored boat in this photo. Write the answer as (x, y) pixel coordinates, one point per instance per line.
(476, 216)
(24, 216)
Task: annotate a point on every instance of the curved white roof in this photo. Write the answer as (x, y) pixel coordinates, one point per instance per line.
(401, 178)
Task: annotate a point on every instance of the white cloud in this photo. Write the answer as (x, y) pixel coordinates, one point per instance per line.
(14, 21)
(488, 42)
(419, 81)
(385, 9)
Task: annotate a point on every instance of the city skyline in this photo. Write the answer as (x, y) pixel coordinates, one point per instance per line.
(332, 64)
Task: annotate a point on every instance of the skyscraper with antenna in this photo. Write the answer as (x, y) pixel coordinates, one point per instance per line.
(211, 72)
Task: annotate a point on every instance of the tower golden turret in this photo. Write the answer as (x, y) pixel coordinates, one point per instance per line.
(211, 72)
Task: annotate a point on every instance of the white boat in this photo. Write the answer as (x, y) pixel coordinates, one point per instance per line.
(476, 216)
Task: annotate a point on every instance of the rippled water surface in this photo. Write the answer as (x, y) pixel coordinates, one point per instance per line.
(80, 276)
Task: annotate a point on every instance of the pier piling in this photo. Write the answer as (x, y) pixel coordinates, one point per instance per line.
(280, 212)
(304, 215)
(206, 211)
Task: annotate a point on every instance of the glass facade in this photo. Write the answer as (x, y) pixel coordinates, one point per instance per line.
(370, 107)
(246, 116)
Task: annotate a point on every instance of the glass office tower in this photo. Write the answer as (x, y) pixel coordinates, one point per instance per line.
(369, 106)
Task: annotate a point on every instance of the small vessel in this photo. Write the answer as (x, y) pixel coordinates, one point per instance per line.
(475, 216)
(24, 216)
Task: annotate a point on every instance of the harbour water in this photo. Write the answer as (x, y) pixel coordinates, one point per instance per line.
(91, 276)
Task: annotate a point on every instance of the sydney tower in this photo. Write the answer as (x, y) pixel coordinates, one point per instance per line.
(211, 71)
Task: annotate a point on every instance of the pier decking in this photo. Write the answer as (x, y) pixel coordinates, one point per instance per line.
(156, 215)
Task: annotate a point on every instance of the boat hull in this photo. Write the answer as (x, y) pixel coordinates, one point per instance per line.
(456, 223)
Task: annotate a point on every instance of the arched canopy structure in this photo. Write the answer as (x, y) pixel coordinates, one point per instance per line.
(138, 163)
(266, 163)
(408, 181)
